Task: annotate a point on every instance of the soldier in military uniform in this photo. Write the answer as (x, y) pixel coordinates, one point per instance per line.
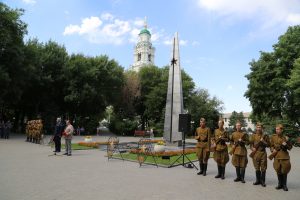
(239, 152)
(203, 136)
(279, 149)
(258, 144)
(221, 152)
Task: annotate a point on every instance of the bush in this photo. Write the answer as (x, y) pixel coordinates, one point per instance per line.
(123, 127)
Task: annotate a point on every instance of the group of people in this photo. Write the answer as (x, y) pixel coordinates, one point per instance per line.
(278, 144)
(66, 131)
(5, 129)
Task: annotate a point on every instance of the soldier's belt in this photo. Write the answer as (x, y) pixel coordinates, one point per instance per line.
(203, 140)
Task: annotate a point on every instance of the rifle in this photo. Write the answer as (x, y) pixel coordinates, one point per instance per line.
(235, 145)
(281, 147)
(251, 155)
(220, 141)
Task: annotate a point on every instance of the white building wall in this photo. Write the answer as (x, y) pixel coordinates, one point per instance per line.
(226, 117)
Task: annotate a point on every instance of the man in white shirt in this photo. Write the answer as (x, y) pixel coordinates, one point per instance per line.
(68, 137)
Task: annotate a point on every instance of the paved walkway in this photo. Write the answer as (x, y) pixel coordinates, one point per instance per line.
(28, 173)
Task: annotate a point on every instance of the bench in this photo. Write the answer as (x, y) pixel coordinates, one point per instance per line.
(141, 133)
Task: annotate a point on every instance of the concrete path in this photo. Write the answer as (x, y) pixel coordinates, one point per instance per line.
(28, 173)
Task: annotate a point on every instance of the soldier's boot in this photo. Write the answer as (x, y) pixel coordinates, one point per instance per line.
(243, 175)
(219, 172)
(257, 182)
(238, 174)
(279, 186)
(201, 168)
(223, 173)
(204, 169)
(284, 179)
(263, 179)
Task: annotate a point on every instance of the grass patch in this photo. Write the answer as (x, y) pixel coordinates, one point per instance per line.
(159, 159)
(75, 147)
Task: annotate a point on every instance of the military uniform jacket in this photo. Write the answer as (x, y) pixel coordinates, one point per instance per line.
(221, 137)
(240, 148)
(203, 137)
(256, 142)
(276, 143)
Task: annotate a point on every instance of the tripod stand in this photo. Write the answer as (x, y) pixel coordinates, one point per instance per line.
(190, 163)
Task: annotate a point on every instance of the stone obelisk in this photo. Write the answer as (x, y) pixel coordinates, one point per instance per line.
(174, 103)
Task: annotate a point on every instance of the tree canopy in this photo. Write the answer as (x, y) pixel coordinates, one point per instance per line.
(41, 80)
(237, 117)
(273, 81)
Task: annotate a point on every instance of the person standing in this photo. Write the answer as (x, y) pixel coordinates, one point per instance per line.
(68, 137)
(258, 144)
(239, 152)
(59, 128)
(221, 151)
(2, 128)
(281, 164)
(7, 127)
(203, 137)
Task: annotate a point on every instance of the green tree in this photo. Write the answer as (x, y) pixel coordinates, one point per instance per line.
(235, 117)
(152, 102)
(294, 86)
(131, 93)
(202, 105)
(12, 73)
(92, 84)
(270, 91)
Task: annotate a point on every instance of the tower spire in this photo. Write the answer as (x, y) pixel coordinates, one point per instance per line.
(145, 22)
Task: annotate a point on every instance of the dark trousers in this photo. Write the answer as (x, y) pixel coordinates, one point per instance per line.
(57, 142)
(6, 133)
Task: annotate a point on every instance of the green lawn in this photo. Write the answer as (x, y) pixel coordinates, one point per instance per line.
(76, 147)
(159, 160)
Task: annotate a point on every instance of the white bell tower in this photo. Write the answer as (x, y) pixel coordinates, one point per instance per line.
(143, 51)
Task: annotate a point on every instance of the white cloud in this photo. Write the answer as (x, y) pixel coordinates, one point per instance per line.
(229, 87)
(88, 25)
(109, 29)
(269, 12)
(293, 19)
(183, 42)
(107, 16)
(71, 29)
(168, 41)
(31, 2)
(134, 35)
(139, 22)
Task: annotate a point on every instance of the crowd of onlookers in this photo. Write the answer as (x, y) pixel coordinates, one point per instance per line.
(5, 129)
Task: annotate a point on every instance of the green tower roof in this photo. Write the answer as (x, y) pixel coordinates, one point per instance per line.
(145, 31)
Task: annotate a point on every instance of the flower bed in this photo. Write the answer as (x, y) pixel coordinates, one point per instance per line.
(159, 160)
(153, 141)
(92, 144)
(165, 153)
(96, 144)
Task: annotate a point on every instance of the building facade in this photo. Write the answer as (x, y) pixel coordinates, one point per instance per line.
(143, 50)
(226, 118)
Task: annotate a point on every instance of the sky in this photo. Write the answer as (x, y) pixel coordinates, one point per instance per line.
(218, 38)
